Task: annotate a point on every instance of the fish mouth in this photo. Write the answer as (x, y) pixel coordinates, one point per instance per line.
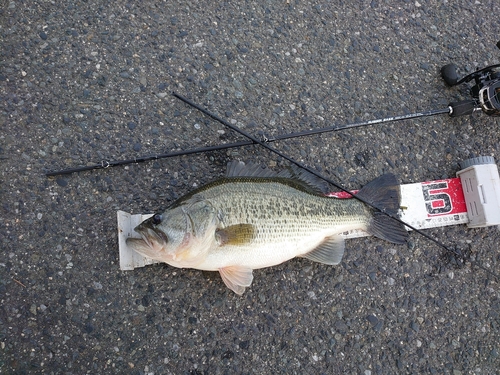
(152, 235)
(152, 243)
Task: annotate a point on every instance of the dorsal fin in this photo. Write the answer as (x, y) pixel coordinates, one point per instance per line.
(309, 181)
(295, 175)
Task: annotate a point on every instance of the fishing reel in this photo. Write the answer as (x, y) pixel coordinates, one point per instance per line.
(486, 91)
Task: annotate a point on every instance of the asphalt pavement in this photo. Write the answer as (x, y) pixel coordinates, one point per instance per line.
(83, 82)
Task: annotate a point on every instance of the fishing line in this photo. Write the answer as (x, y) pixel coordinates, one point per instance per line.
(338, 186)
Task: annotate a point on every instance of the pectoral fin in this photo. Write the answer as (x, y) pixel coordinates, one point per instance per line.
(330, 251)
(236, 278)
(239, 234)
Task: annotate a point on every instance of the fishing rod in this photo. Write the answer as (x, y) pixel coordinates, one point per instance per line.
(451, 109)
(485, 97)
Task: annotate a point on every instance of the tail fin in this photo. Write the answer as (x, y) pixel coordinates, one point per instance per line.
(384, 193)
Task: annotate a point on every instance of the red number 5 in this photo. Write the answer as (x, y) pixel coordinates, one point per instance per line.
(436, 203)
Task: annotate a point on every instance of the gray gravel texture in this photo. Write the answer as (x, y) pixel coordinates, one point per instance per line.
(91, 80)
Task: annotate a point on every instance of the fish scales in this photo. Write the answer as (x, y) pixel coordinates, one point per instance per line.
(289, 222)
(272, 204)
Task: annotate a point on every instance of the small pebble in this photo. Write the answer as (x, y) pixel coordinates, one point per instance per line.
(415, 326)
(372, 319)
(62, 182)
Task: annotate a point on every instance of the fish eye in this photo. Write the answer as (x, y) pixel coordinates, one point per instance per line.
(156, 219)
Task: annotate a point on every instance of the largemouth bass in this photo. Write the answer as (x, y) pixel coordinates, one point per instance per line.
(255, 218)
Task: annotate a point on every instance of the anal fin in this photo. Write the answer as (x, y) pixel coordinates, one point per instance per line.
(236, 278)
(330, 251)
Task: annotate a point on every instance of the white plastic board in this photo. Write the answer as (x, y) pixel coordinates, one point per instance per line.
(130, 259)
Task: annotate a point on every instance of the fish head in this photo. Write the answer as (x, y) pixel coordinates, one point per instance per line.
(180, 236)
